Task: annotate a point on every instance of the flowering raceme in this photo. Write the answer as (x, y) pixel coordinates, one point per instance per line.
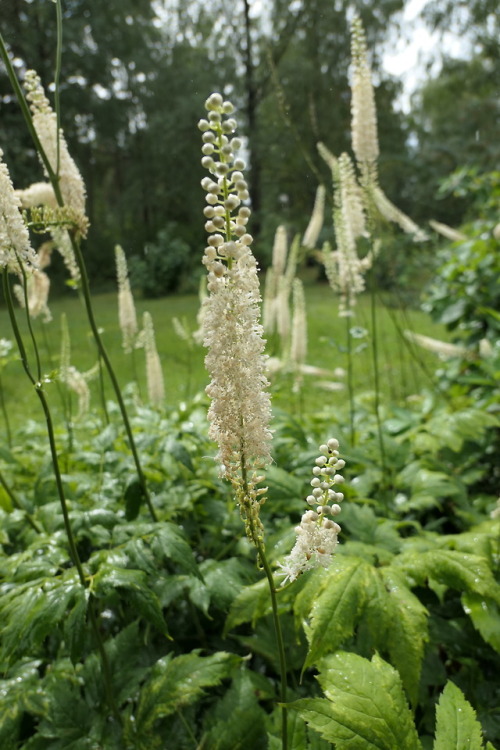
(56, 150)
(317, 535)
(240, 411)
(15, 247)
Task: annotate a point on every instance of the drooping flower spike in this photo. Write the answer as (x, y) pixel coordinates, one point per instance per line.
(317, 534)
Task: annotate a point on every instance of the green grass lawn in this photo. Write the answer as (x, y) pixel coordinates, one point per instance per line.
(183, 367)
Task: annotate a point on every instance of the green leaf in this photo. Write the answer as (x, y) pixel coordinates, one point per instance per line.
(75, 625)
(134, 495)
(297, 732)
(30, 611)
(456, 570)
(485, 616)
(170, 544)
(180, 681)
(237, 721)
(456, 725)
(407, 631)
(251, 603)
(139, 594)
(338, 607)
(282, 485)
(128, 661)
(365, 707)
(181, 454)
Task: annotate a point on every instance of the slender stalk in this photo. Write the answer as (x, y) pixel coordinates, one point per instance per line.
(54, 179)
(5, 413)
(15, 502)
(350, 381)
(274, 604)
(28, 321)
(102, 391)
(57, 77)
(281, 647)
(103, 353)
(38, 385)
(376, 373)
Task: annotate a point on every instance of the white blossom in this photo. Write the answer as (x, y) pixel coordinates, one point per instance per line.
(56, 149)
(15, 247)
(317, 534)
(364, 114)
(127, 315)
(239, 413)
(154, 373)
(316, 221)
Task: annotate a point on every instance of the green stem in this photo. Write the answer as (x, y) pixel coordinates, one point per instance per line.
(103, 353)
(54, 179)
(350, 383)
(279, 640)
(102, 391)
(376, 373)
(28, 321)
(5, 413)
(274, 603)
(15, 502)
(60, 491)
(57, 77)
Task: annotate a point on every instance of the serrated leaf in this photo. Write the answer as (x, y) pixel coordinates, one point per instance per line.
(251, 603)
(485, 616)
(407, 630)
(169, 543)
(138, 592)
(75, 625)
(32, 610)
(456, 725)
(365, 707)
(456, 570)
(237, 721)
(338, 607)
(128, 661)
(308, 594)
(134, 495)
(297, 732)
(180, 681)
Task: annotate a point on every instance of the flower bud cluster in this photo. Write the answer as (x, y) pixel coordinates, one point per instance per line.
(317, 533)
(226, 190)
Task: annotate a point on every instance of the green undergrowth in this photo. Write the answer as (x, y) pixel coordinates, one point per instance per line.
(394, 646)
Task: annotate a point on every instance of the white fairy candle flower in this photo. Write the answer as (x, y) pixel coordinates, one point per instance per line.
(15, 247)
(298, 345)
(37, 294)
(240, 411)
(317, 533)
(56, 150)
(364, 113)
(154, 373)
(344, 268)
(316, 221)
(37, 194)
(127, 315)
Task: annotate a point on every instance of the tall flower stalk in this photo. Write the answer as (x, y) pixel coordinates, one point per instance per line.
(60, 170)
(240, 409)
(17, 255)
